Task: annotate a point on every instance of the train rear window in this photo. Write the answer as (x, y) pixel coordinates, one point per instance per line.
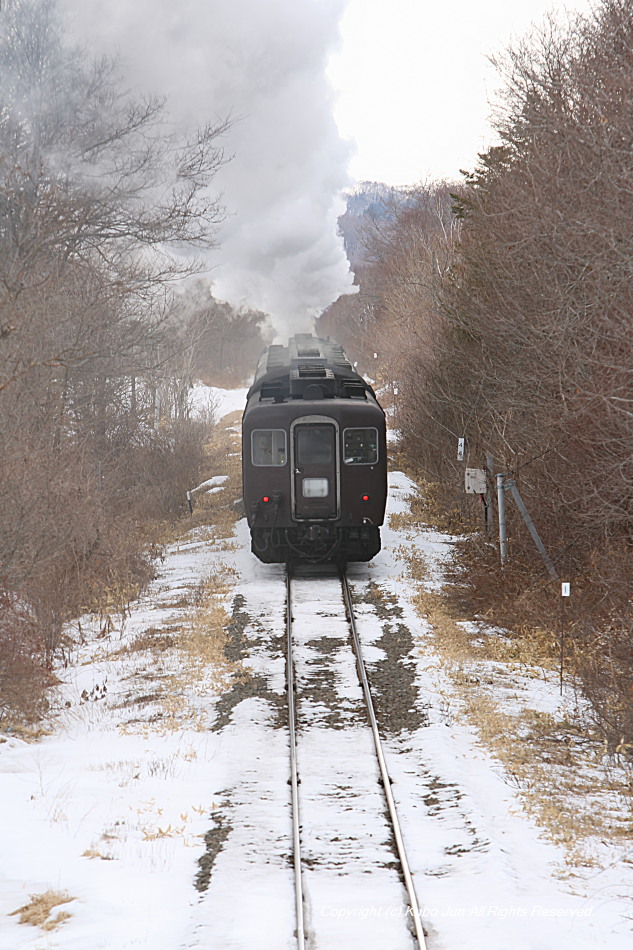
(360, 446)
(315, 444)
(268, 447)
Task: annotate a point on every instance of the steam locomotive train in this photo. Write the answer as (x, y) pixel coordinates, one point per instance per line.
(314, 457)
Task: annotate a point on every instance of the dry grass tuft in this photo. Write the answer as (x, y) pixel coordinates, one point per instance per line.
(431, 505)
(27, 732)
(204, 638)
(558, 770)
(156, 834)
(94, 853)
(451, 638)
(416, 565)
(154, 639)
(557, 766)
(203, 666)
(37, 911)
(400, 521)
(195, 647)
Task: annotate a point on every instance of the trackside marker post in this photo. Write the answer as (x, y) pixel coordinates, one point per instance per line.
(565, 590)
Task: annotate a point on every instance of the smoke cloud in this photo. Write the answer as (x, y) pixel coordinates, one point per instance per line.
(262, 61)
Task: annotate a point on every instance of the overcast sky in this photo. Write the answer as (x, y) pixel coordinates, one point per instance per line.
(414, 85)
(323, 93)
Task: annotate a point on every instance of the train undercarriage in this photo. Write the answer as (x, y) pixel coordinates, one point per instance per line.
(315, 543)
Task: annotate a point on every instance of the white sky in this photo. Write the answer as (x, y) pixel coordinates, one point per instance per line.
(414, 84)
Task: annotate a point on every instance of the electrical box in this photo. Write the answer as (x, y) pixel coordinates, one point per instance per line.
(475, 479)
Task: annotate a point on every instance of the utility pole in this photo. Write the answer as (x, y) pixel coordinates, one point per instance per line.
(501, 507)
(490, 468)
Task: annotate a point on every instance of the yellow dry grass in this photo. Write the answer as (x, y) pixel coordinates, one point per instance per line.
(197, 653)
(157, 834)
(203, 666)
(94, 853)
(37, 912)
(460, 643)
(194, 640)
(27, 732)
(156, 639)
(557, 766)
(429, 504)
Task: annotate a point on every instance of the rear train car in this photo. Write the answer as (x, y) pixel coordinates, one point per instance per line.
(314, 457)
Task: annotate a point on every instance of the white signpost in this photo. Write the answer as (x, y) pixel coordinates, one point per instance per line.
(565, 589)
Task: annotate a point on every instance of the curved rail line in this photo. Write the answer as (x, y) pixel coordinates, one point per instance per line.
(384, 773)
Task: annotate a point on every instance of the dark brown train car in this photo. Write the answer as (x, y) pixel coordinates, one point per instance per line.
(314, 457)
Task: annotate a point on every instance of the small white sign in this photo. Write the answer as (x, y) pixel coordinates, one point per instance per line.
(460, 450)
(565, 589)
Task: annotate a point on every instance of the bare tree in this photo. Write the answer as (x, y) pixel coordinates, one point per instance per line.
(98, 200)
(534, 361)
(511, 326)
(222, 343)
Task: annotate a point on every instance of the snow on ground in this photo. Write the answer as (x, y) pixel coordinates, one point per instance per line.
(108, 811)
(130, 801)
(219, 402)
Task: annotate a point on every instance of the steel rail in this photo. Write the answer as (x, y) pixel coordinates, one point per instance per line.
(386, 781)
(294, 780)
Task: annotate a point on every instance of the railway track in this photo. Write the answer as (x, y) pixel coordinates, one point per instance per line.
(353, 884)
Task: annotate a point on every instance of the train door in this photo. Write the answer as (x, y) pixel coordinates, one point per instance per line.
(315, 467)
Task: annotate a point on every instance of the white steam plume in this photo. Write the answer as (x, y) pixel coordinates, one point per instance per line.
(264, 62)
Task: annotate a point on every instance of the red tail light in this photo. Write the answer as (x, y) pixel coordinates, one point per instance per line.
(265, 499)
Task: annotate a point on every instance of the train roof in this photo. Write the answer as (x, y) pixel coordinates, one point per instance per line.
(307, 368)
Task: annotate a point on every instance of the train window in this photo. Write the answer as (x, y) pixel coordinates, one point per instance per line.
(315, 444)
(268, 447)
(360, 446)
